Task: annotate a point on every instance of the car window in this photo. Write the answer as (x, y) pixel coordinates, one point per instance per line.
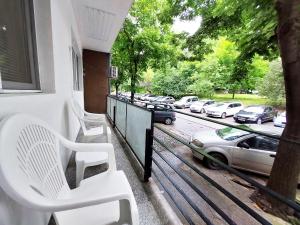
(230, 106)
(238, 104)
(262, 143)
(195, 99)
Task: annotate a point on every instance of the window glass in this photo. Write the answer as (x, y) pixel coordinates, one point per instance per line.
(262, 143)
(18, 63)
(77, 72)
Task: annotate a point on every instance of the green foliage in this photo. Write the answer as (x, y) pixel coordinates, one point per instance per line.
(257, 69)
(174, 81)
(272, 85)
(144, 42)
(202, 88)
(217, 66)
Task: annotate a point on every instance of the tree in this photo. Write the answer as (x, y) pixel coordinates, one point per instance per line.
(175, 81)
(257, 70)
(147, 79)
(145, 42)
(218, 65)
(284, 176)
(272, 85)
(202, 88)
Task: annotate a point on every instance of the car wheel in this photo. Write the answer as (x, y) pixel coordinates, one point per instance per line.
(223, 116)
(259, 121)
(213, 165)
(168, 121)
(202, 110)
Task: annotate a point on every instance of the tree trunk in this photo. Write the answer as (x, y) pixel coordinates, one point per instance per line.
(117, 89)
(233, 93)
(286, 168)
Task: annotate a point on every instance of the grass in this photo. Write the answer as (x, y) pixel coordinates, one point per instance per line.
(246, 99)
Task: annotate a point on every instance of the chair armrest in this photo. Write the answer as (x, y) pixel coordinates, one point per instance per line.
(92, 147)
(95, 115)
(94, 120)
(103, 188)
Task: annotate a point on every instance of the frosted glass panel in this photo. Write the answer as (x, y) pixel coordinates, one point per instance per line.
(138, 120)
(113, 103)
(121, 117)
(108, 106)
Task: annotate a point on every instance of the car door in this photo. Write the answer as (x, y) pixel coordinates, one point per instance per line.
(230, 109)
(269, 113)
(255, 153)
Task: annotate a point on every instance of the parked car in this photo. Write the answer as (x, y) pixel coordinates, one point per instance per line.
(144, 97)
(155, 98)
(280, 120)
(185, 102)
(224, 109)
(236, 148)
(164, 100)
(201, 106)
(163, 114)
(255, 114)
(151, 97)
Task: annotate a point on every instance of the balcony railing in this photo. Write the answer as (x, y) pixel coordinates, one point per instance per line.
(141, 127)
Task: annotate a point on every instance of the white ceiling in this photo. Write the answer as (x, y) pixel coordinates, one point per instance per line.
(100, 21)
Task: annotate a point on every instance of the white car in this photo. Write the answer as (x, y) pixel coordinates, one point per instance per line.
(201, 106)
(280, 120)
(185, 102)
(224, 109)
(236, 148)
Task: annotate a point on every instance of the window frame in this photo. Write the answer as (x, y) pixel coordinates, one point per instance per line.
(30, 36)
(77, 71)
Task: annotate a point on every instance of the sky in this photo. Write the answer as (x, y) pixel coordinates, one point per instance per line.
(189, 26)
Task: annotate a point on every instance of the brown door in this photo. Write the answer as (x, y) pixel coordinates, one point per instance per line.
(96, 69)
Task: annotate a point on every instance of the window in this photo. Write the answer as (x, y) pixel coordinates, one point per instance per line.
(18, 61)
(262, 143)
(77, 71)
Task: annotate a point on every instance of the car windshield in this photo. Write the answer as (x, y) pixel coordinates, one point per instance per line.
(230, 134)
(254, 110)
(220, 105)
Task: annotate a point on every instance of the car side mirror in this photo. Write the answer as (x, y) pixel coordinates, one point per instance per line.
(243, 145)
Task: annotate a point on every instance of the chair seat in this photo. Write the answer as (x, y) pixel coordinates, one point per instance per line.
(91, 158)
(103, 185)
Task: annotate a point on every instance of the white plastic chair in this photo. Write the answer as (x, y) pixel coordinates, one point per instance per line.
(31, 173)
(87, 159)
(94, 119)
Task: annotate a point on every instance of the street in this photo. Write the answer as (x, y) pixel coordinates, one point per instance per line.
(185, 126)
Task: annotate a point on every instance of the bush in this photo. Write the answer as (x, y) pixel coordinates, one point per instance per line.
(202, 88)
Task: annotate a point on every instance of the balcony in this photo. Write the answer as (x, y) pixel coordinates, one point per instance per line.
(147, 195)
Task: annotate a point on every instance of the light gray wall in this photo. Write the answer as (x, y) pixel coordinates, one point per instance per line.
(55, 24)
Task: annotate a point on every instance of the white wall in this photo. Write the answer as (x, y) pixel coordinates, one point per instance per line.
(54, 24)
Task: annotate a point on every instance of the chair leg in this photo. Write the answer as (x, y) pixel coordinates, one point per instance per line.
(79, 172)
(126, 216)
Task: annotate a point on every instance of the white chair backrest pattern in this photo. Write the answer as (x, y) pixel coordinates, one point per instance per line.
(80, 113)
(30, 164)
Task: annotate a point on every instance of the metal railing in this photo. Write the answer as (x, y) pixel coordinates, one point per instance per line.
(135, 124)
(156, 154)
(289, 202)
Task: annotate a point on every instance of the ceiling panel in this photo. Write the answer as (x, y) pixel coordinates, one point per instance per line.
(99, 21)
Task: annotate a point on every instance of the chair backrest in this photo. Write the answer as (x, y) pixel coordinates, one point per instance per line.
(80, 113)
(30, 164)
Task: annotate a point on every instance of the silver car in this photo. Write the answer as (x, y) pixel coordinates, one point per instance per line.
(236, 148)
